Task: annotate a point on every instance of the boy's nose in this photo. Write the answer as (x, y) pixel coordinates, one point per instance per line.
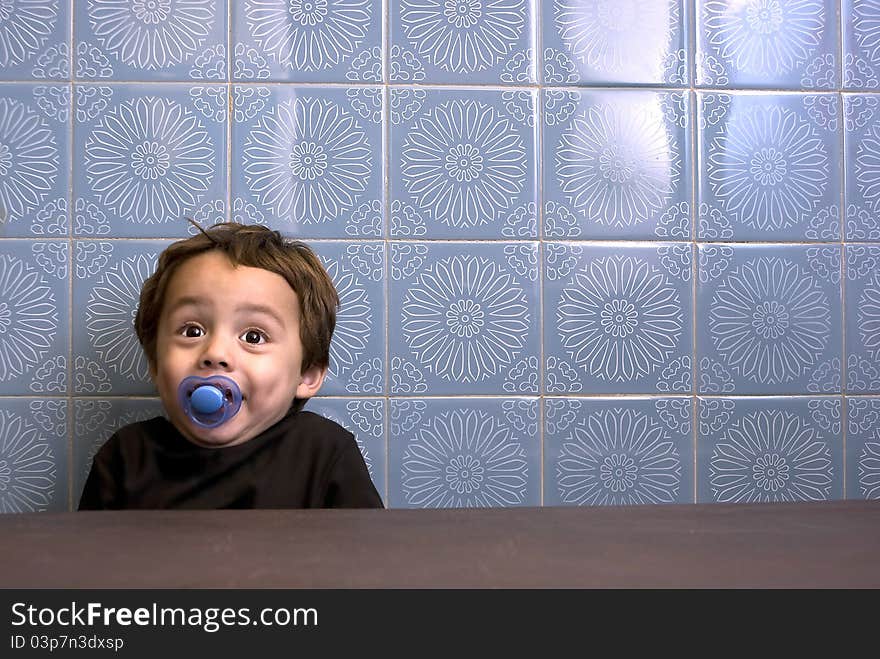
(215, 355)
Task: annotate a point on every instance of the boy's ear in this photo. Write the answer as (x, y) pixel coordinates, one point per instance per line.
(312, 379)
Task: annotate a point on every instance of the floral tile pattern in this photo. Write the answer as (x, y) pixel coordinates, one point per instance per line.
(150, 40)
(443, 41)
(767, 44)
(306, 41)
(309, 159)
(761, 450)
(107, 280)
(34, 159)
(95, 420)
(771, 319)
(862, 176)
(464, 453)
(625, 451)
(770, 167)
(618, 318)
(33, 455)
(861, 29)
(463, 164)
(357, 351)
(34, 40)
(863, 321)
(367, 420)
(593, 41)
(464, 320)
(863, 448)
(552, 224)
(34, 317)
(617, 165)
(149, 160)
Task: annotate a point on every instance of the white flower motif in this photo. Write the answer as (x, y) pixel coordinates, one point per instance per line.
(618, 167)
(151, 34)
(464, 163)
(771, 456)
(24, 28)
(353, 322)
(464, 459)
(769, 169)
(620, 319)
(110, 313)
(308, 159)
(603, 34)
(869, 318)
(463, 36)
(28, 160)
(770, 320)
(618, 457)
(150, 160)
(866, 26)
(764, 37)
(466, 318)
(309, 35)
(869, 470)
(868, 167)
(27, 467)
(28, 317)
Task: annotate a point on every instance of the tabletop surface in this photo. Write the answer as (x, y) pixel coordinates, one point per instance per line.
(801, 545)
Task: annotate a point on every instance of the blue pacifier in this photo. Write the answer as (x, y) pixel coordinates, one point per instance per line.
(209, 402)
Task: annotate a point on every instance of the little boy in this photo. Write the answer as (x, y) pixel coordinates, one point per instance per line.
(236, 325)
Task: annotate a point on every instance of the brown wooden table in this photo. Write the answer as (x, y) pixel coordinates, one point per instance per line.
(829, 544)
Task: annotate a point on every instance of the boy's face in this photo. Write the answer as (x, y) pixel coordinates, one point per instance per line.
(241, 322)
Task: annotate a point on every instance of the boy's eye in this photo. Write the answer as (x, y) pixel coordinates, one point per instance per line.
(253, 336)
(192, 331)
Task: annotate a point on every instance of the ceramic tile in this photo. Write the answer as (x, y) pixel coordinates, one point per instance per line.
(609, 42)
(618, 318)
(761, 450)
(366, 419)
(463, 319)
(33, 455)
(357, 351)
(309, 159)
(107, 281)
(464, 453)
(770, 167)
(152, 40)
(339, 41)
(95, 420)
(617, 165)
(463, 164)
(863, 448)
(34, 317)
(34, 40)
(862, 167)
(760, 44)
(770, 319)
(34, 159)
(151, 156)
(618, 452)
(863, 319)
(481, 42)
(861, 57)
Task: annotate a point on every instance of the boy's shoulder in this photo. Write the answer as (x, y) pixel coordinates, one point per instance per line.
(314, 425)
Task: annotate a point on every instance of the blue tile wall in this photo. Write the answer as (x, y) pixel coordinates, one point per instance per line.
(590, 252)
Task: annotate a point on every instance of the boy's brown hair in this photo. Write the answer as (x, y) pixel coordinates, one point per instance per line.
(254, 246)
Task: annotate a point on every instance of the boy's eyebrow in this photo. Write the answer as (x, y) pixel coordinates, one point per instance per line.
(251, 307)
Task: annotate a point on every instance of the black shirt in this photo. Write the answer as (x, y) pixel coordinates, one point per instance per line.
(303, 461)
